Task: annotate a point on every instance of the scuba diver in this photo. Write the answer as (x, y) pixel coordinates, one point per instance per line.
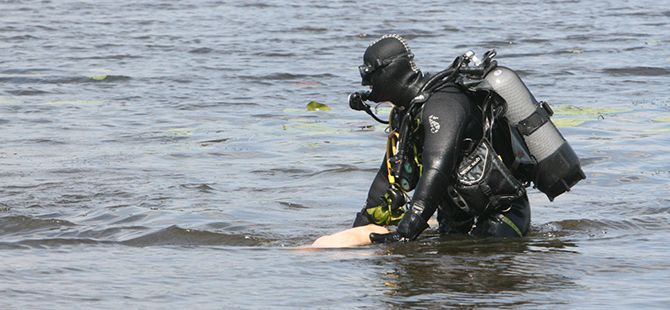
(465, 142)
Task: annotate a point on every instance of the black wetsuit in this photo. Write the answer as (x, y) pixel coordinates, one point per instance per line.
(449, 117)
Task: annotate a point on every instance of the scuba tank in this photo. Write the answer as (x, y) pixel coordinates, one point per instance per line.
(557, 168)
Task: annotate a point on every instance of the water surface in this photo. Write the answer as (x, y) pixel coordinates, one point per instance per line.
(160, 155)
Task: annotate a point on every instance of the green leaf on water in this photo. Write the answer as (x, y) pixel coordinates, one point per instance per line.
(317, 106)
(573, 116)
(180, 132)
(665, 119)
(585, 111)
(75, 102)
(98, 77)
(7, 100)
(567, 122)
(658, 130)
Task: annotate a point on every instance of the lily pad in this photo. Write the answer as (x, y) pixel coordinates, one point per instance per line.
(98, 77)
(658, 130)
(317, 106)
(75, 102)
(585, 111)
(573, 116)
(180, 132)
(568, 122)
(665, 119)
(309, 125)
(7, 100)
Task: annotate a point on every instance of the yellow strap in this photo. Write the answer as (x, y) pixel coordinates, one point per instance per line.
(391, 151)
(511, 224)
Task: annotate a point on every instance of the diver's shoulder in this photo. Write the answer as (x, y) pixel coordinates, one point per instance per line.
(448, 95)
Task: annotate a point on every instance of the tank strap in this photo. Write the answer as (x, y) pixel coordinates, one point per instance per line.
(535, 120)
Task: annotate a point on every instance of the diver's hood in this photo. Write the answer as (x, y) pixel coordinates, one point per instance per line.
(390, 71)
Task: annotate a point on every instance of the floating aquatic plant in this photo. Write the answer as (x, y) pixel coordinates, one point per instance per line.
(75, 102)
(7, 100)
(573, 116)
(664, 119)
(98, 77)
(585, 111)
(567, 122)
(181, 132)
(317, 106)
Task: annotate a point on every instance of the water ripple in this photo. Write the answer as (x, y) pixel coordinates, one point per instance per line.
(637, 71)
(24, 224)
(143, 147)
(178, 236)
(62, 79)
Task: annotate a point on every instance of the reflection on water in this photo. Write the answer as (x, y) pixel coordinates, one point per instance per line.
(485, 273)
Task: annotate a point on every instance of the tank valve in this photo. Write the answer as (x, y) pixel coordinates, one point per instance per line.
(471, 58)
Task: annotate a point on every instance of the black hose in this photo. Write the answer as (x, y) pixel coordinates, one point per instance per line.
(367, 110)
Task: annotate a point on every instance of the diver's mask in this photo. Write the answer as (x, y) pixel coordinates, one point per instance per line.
(366, 70)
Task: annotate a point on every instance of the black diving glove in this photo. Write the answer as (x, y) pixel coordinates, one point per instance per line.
(409, 228)
(386, 238)
(412, 225)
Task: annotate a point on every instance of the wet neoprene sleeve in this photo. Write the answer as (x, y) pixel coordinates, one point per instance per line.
(379, 187)
(444, 120)
(376, 198)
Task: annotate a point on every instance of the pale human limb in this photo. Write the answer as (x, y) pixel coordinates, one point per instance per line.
(352, 237)
(357, 236)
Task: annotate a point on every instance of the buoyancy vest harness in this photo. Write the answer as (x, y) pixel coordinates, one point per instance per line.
(542, 157)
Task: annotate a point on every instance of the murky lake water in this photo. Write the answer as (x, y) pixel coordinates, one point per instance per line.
(159, 154)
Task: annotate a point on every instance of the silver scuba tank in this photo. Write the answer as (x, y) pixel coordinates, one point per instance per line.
(558, 167)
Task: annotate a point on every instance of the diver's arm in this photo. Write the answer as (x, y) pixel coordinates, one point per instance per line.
(375, 195)
(379, 187)
(444, 120)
